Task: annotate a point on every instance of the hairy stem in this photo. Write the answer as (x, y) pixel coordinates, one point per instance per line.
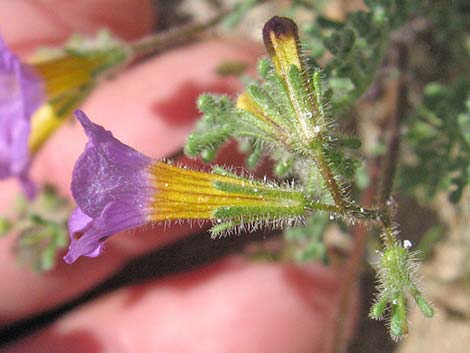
(331, 182)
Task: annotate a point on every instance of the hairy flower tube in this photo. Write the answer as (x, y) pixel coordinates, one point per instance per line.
(117, 188)
(21, 93)
(36, 97)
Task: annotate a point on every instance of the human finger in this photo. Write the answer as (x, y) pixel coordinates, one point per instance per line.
(231, 306)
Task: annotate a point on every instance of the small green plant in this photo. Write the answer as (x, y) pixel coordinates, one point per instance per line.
(286, 115)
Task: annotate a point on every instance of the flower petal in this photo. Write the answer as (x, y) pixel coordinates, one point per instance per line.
(21, 94)
(111, 185)
(108, 170)
(88, 234)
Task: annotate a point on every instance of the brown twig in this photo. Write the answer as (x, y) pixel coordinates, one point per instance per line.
(388, 168)
(353, 268)
(399, 103)
(151, 44)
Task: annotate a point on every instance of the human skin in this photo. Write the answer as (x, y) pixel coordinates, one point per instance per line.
(233, 305)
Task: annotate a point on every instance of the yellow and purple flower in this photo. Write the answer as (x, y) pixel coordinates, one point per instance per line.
(117, 188)
(21, 93)
(36, 97)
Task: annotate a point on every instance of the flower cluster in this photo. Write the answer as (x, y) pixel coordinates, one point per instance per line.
(282, 115)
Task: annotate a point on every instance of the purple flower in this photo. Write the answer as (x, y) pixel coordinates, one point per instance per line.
(21, 94)
(117, 188)
(110, 183)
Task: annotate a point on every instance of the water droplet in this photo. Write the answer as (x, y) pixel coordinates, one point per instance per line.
(362, 210)
(255, 190)
(316, 129)
(219, 220)
(332, 217)
(407, 244)
(394, 302)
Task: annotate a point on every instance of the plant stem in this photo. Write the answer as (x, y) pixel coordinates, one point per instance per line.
(389, 166)
(330, 181)
(350, 277)
(399, 106)
(153, 43)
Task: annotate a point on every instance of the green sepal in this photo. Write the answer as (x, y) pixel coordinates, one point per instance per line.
(198, 142)
(377, 310)
(218, 230)
(279, 94)
(255, 156)
(318, 91)
(398, 320)
(267, 104)
(423, 305)
(222, 171)
(256, 213)
(283, 168)
(260, 190)
(300, 95)
(214, 128)
(208, 155)
(255, 128)
(264, 67)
